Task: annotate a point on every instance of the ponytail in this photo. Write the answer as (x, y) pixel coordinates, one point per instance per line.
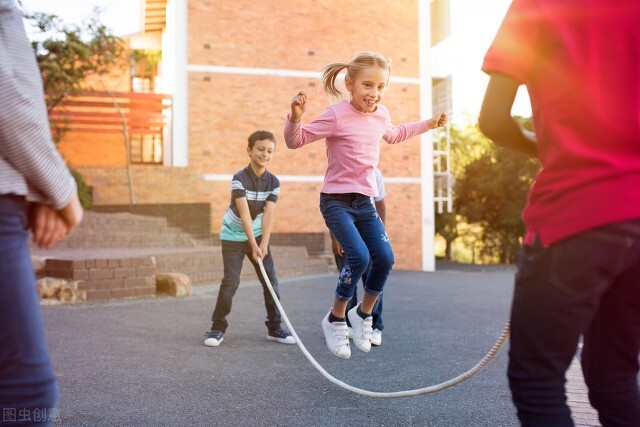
(332, 71)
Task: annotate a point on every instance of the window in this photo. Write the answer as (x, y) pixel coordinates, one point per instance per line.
(146, 148)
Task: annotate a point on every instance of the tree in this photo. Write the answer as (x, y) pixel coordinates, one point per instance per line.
(467, 144)
(67, 56)
(446, 225)
(492, 192)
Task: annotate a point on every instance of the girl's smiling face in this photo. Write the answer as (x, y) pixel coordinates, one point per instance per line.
(368, 88)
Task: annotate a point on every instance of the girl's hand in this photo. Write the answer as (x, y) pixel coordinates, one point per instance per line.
(298, 107)
(437, 121)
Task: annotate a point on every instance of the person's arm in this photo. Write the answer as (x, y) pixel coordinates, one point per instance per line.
(267, 225)
(298, 107)
(25, 137)
(335, 245)
(495, 118)
(437, 121)
(296, 135)
(247, 225)
(398, 133)
(381, 207)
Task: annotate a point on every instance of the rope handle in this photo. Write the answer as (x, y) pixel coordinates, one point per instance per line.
(392, 394)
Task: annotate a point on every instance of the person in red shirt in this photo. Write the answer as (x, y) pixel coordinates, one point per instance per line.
(579, 273)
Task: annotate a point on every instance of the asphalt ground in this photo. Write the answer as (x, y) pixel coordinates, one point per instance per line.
(142, 362)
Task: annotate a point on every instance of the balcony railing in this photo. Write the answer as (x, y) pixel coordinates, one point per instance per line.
(102, 112)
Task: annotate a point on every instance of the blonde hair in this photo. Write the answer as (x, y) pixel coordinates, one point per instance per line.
(361, 61)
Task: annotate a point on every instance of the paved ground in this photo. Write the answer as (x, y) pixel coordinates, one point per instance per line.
(142, 362)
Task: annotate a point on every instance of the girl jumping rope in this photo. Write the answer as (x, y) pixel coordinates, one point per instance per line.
(353, 130)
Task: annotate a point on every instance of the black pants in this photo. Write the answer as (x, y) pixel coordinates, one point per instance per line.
(589, 285)
(233, 254)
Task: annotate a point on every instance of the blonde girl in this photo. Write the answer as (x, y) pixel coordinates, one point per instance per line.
(353, 130)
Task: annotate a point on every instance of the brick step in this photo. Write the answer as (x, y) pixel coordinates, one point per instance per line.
(114, 273)
(204, 265)
(122, 221)
(117, 230)
(116, 255)
(126, 239)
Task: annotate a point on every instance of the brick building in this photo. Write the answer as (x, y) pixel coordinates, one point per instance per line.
(232, 68)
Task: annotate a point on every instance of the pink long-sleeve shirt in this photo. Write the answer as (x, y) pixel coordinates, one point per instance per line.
(353, 144)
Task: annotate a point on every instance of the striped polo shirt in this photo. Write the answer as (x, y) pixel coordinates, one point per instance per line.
(30, 164)
(258, 191)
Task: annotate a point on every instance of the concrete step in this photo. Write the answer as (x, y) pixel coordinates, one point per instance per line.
(125, 230)
(116, 255)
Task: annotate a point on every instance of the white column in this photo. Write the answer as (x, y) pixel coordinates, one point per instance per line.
(176, 78)
(426, 144)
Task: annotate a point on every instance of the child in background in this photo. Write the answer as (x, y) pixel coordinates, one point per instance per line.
(353, 130)
(246, 229)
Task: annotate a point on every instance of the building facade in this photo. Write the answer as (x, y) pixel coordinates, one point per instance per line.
(232, 68)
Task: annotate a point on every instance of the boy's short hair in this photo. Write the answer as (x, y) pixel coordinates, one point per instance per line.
(259, 135)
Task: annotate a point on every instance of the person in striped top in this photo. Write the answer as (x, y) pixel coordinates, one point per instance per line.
(246, 229)
(37, 194)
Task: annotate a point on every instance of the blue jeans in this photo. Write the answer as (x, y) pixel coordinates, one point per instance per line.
(28, 388)
(354, 221)
(586, 285)
(233, 254)
(376, 313)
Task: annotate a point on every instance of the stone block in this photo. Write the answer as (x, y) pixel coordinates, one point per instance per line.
(173, 284)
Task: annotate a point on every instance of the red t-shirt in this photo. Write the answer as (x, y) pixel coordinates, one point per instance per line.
(580, 61)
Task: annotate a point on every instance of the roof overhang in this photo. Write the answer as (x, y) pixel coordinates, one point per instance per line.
(154, 15)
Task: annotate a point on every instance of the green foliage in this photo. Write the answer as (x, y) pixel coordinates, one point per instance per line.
(84, 190)
(467, 144)
(489, 195)
(446, 225)
(69, 54)
(492, 193)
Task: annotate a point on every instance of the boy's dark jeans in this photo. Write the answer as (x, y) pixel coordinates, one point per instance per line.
(233, 254)
(588, 284)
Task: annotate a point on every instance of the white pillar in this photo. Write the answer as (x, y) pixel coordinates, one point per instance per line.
(176, 78)
(426, 144)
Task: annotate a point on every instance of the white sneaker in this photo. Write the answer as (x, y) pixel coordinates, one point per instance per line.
(362, 329)
(213, 338)
(376, 337)
(350, 332)
(336, 336)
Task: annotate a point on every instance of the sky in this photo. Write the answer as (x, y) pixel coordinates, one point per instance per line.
(118, 15)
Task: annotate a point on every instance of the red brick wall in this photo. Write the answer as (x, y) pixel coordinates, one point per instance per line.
(88, 149)
(302, 35)
(224, 109)
(151, 184)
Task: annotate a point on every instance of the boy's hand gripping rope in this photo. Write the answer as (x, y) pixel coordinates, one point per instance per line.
(392, 394)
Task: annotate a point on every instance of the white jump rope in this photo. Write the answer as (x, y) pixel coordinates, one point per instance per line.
(392, 394)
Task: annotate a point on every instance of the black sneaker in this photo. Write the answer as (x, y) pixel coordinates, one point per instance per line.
(213, 338)
(281, 335)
